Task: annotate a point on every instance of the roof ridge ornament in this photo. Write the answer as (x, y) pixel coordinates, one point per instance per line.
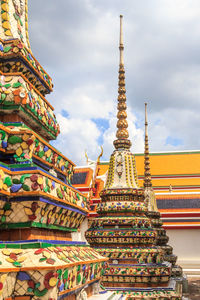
(122, 134)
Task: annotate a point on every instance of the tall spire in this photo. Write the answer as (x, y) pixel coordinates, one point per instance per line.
(122, 134)
(147, 173)
(122, 170)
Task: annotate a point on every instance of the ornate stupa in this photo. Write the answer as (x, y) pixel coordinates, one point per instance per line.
(122, 231)
(153, 213)
(40, 212)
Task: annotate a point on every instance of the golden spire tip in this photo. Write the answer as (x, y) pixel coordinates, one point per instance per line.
(121, 46)
(146, 118)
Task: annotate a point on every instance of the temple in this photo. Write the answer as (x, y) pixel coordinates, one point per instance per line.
(40, 212)
(125, 229)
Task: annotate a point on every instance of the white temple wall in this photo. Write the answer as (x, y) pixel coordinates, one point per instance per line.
(186, 244)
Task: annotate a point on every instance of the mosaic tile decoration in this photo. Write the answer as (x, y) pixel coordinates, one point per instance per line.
(25, 64)
(39, 208)
(16, 93)
(47, 271)
(25, 144)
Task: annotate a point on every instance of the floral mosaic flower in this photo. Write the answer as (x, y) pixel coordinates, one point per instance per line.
(14, 256)
(34, 288)
(33, 211)
(20, 96)
(37, 182)
(50, 280)
(46, 256)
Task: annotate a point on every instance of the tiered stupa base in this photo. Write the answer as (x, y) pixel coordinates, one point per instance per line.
(139, 280)
(123, 233)
(162, 241)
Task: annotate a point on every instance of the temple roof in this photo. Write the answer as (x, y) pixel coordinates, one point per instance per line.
(166, 163)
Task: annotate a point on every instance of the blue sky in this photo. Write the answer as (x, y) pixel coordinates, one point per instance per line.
(77, 44)
(103, 125)
(173, 141)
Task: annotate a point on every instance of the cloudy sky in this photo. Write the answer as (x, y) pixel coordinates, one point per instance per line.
(76, 41)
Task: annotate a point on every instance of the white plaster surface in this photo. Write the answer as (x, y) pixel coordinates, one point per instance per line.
(186, 244)
(79, 236)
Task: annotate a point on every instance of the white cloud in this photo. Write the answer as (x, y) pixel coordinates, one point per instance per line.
(80, 133)
(86, 102)
(78, 45)
(77, 135)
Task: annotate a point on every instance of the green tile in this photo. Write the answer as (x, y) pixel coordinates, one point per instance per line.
(35, 225)
(13, 246)
(30, 246)
(45, 245)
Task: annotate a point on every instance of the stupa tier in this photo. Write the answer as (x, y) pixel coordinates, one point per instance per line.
(40, 212)
(24, 83)
(123, 231)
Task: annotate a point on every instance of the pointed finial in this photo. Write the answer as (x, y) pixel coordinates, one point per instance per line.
(147, 173)
(121, 46)
(122, 134)
(146, 122)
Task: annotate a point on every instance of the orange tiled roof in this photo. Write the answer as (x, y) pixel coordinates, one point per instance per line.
(169, 163)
